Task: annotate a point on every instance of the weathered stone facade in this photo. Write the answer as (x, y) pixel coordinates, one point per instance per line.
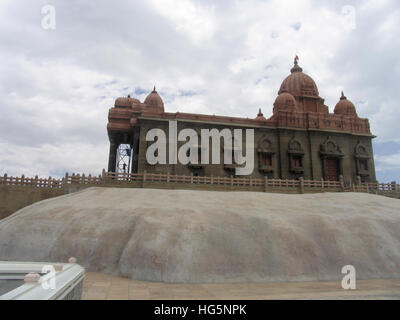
(300, 139)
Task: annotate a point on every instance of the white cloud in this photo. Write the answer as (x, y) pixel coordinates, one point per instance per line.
(231, 56)
(196, 21)
(387, 162)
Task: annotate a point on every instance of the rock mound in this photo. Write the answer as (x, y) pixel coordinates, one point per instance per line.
(203, 236)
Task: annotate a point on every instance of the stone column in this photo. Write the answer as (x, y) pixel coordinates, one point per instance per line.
(341, 180)
(112, 158)
(301, 184)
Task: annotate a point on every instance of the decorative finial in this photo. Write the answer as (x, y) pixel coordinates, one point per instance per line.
(296, 67)
(154, 89)
(129, 95)
(260, 114)
(343, 96)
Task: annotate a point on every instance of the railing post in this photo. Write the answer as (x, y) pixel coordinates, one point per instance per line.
(265, 183)
(301, 184)
(36, 180)
(83, 179)
(191, 177)
(341, 182)
(322, 183)
(49, 182)
(5, 178)
(168, 178)
(359, 180)
(22, 180)
(144, 175)
(394, 186)
(212, 179)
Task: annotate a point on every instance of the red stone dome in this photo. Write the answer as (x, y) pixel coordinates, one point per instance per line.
(299, 84)
(345, 107)
(260, 116)
(125, 102)
(285, 102)
(154, 101)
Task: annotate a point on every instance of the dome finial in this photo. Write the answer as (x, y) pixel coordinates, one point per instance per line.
(154, 89)
(343, 96)
(260, 116)
(296, 67)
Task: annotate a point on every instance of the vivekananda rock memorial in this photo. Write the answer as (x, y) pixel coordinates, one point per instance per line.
(300, 139)
(197, 236)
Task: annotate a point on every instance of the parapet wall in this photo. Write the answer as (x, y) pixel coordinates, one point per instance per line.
(13, 198)
(19, 192)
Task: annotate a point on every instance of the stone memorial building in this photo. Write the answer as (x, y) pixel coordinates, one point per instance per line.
(300, 139)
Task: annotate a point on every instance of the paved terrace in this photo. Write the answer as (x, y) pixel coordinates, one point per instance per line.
(99, 286)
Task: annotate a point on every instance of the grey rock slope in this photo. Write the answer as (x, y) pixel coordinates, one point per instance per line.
(202, 236)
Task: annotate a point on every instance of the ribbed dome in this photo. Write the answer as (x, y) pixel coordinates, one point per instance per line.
(260, 116)
(125, 102)
(299, 84)
(153, 100)
(345, 107)
(284, 102)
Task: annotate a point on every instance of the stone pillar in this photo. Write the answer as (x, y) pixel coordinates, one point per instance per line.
(301, 184)
(359, 180)
(144, 178)
(394, 186)
(112, 157)
(265, 183)
(341, 182)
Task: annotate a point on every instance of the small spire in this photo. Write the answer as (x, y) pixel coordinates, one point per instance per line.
(154, 89)
(296, 67)
(260, 114)
(343, 96)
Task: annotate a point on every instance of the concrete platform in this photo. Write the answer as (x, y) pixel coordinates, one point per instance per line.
(100, 286)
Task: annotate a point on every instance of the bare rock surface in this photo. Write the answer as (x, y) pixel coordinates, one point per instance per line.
(205, 236)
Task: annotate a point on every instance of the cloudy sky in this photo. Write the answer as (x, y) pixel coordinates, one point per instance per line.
(216, 57)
